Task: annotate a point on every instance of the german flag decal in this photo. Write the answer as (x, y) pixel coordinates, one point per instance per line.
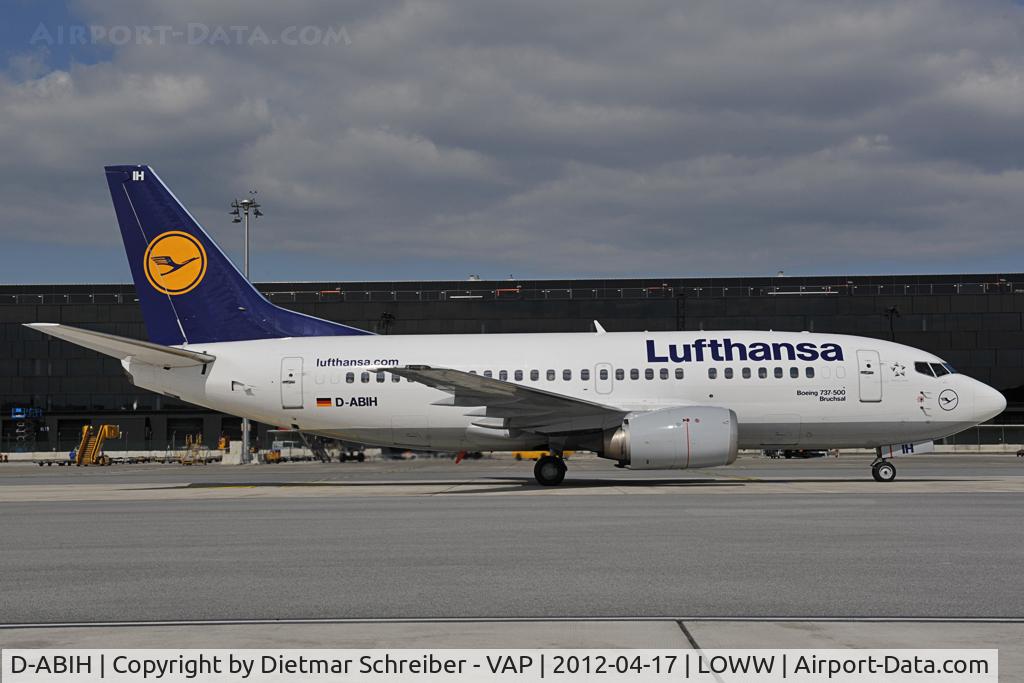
(323, 403)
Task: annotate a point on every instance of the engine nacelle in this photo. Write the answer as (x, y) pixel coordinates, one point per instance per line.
(674, 438)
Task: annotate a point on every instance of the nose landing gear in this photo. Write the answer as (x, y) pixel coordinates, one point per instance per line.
(883, 470)
(549, 470)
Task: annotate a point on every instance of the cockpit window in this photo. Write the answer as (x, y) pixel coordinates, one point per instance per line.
(934, 369)
(924, 368)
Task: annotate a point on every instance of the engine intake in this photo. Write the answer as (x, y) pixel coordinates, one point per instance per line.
(674, 438)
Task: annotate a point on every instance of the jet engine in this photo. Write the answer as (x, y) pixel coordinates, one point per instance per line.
(674, 438)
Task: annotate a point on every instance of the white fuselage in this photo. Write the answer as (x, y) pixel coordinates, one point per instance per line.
(787, 389)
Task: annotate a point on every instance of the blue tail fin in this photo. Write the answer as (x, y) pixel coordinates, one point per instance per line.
(189, 291)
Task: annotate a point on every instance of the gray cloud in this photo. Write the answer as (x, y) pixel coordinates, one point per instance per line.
(549, 139)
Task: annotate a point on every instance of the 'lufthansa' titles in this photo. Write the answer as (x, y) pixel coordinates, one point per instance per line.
(727, 350)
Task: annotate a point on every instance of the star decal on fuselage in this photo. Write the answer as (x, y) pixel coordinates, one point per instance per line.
(899, 370)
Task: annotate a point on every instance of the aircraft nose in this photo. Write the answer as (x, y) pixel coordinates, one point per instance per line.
(988, 402)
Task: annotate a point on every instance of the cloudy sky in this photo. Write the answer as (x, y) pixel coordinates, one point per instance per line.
(434, 139)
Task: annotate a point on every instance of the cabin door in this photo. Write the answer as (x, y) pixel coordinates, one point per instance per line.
(869, 374)
(291, 382)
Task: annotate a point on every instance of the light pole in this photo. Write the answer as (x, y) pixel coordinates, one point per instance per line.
(240, 210)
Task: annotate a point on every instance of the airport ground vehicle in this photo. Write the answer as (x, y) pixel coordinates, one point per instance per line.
(536, 455)
(647, 400)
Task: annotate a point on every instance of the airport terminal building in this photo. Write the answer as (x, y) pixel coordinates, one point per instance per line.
(49, 388)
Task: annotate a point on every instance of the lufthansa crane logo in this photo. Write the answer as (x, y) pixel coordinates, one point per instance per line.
(948, 399)
(175, 262)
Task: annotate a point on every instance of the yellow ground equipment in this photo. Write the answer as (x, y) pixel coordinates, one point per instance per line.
(90, 449)
(536, 455)
(195, 451)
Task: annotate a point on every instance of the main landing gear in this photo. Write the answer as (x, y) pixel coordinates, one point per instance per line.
(549, 470)
(883, 470)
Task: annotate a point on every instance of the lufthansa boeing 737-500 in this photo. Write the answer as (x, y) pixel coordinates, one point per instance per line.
(646, 400)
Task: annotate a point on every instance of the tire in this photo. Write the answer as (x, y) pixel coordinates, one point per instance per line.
(360, 457)
(549, 471)
(884, 471)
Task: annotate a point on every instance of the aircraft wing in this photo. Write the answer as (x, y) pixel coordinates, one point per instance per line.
(122, 347)
(521, 407)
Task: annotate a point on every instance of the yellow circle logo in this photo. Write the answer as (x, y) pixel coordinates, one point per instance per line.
(175, 262)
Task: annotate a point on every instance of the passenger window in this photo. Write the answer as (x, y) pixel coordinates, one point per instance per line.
(746, 373)
(487, 373)
(939, 369)
(923, 368)
(619, 373)
(566, 375)
(634, 374)
(603, 374)
(550, 374)
(519, 375)
(380, 377)
(809, 372)
(778, 373)
(762, 373)
(365, 377)
(728, 373)
(794, 372)
(534, 375)
(679, 373)
(503, 375)
(649, 373)
(350, 377)
(712, 373)
(663, 373)
(585, 374)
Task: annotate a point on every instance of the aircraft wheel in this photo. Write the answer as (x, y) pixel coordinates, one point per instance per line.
(883, 471)
(549, 471)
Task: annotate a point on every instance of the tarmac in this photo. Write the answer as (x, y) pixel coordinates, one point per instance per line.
(800, 553)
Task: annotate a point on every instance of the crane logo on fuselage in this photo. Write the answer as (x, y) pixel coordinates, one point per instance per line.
(726, 349)
(174, 262)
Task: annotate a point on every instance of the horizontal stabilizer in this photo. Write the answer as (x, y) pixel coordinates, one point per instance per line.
(122, 347)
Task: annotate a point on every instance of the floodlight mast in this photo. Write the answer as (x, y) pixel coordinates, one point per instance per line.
(240, 210)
